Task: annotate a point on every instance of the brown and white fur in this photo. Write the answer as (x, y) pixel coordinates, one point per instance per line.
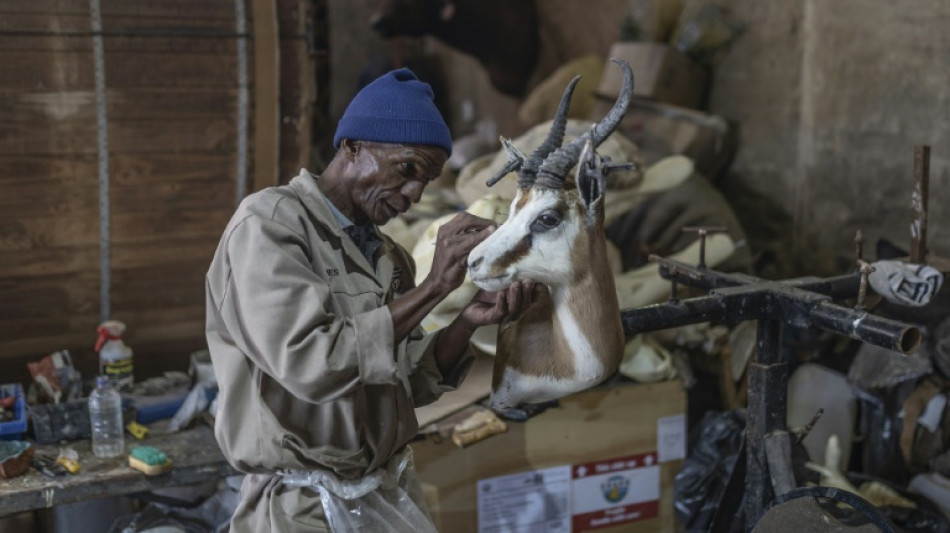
(571, 338)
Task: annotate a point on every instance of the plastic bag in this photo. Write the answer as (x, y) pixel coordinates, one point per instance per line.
(383, 501)
(699, 484)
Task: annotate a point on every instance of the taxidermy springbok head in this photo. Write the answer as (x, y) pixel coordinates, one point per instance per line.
(571, 338)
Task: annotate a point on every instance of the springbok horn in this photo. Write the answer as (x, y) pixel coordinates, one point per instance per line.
(528, 167)
(553, 141)
(554, 170)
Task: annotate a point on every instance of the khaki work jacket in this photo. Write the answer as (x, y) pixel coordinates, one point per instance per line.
(302, 343)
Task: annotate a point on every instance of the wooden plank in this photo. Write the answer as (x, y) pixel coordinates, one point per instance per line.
(44, 232)
(72, 70)
(266, 95)
(184, 9)
(174, 223)
(47, 106)
(62, 170)
(49, 261)
(39, 200)
(153, 200)
(159, 291)
(54, 106)
(52, 298)
(152, 70)
(173, 135)
(45, 71)
(25, 329)
(148, 42)
(63, 24)
(190, 102)
(42, 200)
(128, 136)
(50, 138)
(158, 255)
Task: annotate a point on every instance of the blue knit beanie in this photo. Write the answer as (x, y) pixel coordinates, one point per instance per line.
(394, 108)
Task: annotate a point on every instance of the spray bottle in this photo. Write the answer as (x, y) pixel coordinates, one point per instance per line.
(115, 357)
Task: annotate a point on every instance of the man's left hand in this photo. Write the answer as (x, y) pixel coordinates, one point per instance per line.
(496, 307)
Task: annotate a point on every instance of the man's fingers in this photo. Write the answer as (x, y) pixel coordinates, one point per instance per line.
(465, 222)
(527, 291)
(514, 299)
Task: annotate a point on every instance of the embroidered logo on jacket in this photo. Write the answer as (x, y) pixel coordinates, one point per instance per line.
(333, 272)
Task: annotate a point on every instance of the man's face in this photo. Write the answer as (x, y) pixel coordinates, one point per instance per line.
(391, 177)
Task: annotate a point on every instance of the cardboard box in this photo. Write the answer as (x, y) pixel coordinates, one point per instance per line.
(660, 73)
(604, 460)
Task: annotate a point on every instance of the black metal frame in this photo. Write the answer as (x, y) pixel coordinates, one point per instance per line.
(796, 303)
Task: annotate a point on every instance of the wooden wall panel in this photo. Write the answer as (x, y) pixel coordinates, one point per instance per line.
(171, 72)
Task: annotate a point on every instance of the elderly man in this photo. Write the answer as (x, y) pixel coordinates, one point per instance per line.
(312, 324)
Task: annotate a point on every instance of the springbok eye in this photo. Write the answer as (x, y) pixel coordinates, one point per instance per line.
(547, 220)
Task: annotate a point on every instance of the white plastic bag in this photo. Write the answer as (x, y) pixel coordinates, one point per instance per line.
(384, 501)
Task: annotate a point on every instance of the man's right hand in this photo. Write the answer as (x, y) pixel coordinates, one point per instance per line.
(455, 240)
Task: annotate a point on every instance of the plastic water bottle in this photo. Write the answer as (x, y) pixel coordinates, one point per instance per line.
(105, 415)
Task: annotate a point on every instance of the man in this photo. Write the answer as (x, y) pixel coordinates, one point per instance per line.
(313, 326)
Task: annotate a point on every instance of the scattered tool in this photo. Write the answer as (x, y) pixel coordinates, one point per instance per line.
(479, 426)
(149, 460)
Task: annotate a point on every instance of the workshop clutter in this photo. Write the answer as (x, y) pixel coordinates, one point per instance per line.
(115, 357)
(15, 457)
(57, 406)
(12, 411)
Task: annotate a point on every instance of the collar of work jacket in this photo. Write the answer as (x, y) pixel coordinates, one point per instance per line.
(305, 185)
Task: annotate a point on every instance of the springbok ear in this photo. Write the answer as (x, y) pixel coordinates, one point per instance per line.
(590, 183)
(592, 170)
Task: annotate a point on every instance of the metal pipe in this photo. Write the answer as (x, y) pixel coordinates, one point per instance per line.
(918, 229)
(864, 326)
(672, 314)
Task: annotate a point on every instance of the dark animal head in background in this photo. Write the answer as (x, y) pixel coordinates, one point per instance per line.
(501, 34)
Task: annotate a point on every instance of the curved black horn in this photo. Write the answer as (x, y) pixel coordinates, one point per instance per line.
(556, 166)
(552, 142)
(527, 167)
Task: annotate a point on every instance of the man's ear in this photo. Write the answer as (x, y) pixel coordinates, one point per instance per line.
(351, 148)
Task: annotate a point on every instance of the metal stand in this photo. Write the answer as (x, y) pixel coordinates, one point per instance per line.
(796, 303)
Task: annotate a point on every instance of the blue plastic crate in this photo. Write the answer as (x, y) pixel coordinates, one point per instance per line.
(14, 429)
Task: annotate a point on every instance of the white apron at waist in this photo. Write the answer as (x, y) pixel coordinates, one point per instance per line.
(386, 500)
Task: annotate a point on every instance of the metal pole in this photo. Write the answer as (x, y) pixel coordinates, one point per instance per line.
(768, 378)
(918, 229)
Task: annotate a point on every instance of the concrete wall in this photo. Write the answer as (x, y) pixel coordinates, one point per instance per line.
(830, 96)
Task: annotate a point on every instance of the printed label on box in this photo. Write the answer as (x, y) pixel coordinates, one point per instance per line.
(671, 438)
(615, 491)
(532, 502)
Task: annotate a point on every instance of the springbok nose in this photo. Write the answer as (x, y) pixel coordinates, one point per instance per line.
(474, 264)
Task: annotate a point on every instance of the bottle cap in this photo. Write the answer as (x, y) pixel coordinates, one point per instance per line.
(102, 381)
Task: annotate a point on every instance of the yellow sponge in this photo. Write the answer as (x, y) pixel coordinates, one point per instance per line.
(149, 460)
